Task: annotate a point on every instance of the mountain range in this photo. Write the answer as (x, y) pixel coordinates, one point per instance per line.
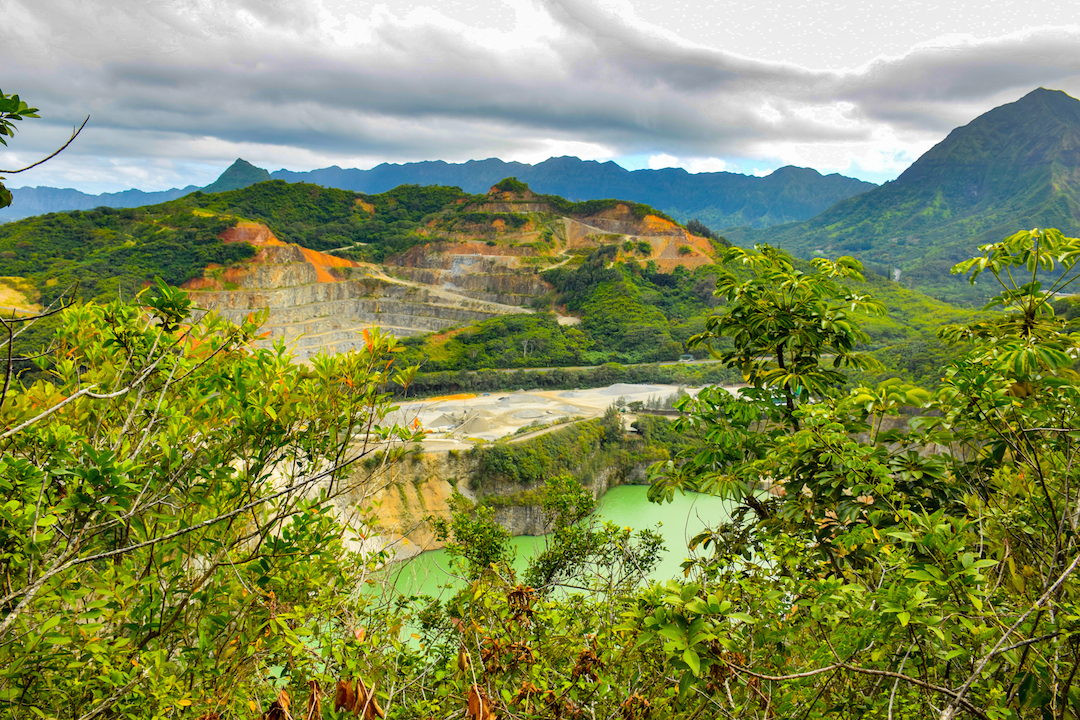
(30, 201)
(720, 199)
(1012, 168)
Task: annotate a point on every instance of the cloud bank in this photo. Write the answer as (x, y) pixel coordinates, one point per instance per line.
(177, 89)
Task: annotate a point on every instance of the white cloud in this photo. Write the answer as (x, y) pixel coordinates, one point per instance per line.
(657, 162)
(706, 165)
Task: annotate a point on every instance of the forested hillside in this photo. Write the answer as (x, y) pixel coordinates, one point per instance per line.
(109, 251)
(627, 309)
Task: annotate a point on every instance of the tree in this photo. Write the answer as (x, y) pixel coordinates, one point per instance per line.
(548, 643)
(909, 572)
(182, 513)
(12, 110)
(785, 322)
(696, 227)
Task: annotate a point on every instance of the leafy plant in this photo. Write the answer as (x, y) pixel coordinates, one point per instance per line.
(167, 538)
(874, 568)
(785, 321)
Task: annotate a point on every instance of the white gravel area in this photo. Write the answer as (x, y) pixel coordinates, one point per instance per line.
(491, 416)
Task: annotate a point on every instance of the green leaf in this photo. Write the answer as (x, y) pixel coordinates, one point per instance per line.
(741, 616)
(692, 660)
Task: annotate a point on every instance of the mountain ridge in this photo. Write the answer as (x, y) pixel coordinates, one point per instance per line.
(717, 199)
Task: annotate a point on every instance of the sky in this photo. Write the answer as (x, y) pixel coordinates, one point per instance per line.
(178, 89)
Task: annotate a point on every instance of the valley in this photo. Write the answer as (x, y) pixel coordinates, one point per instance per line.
(263, 410)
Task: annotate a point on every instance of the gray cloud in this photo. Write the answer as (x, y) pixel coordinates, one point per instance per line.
(189, 84)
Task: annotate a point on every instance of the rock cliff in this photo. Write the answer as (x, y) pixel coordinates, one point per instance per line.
(408, 495)
(317, 301)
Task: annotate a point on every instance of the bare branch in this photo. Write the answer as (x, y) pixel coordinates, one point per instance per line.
(74, 134)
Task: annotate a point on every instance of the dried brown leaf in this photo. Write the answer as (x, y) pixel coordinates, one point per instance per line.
(479, 706)
(366, 702)
(344, 697)
(279, 709)
(314, 705)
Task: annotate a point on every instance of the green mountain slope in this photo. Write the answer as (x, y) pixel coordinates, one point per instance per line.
(1015, 167)
(240, 174)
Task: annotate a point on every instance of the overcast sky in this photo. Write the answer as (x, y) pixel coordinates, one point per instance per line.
(177, 89)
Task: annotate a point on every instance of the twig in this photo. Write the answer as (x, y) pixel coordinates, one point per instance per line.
(154, 541)
(865, 671)
(111, 700)
(74, 134)
(950, 710)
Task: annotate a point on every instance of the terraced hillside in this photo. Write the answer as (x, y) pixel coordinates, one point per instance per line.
(494, 248)
(317, 301)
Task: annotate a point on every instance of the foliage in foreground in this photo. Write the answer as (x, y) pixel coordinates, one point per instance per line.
(890, 570)
(180, 515)
(882, 571)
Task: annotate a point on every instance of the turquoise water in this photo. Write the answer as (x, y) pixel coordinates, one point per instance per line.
(626, 505)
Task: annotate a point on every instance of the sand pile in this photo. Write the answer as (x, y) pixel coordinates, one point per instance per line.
(529, 414)
(475, 426)
(520, 398)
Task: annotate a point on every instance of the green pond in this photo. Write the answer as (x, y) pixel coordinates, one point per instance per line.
(626, 505)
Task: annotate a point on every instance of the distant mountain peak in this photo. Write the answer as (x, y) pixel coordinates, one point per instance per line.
(998, 149)
(238, 175)
(795, 171)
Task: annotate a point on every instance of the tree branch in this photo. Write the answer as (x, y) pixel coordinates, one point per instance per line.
(74, 134)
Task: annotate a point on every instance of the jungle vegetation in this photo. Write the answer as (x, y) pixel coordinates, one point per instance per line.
(172, 540)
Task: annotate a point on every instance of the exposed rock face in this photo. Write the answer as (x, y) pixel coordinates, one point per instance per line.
(418, 489)
(505, 267)
(487, 263)
(467, 269)
(320, 302)
(413, 492)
